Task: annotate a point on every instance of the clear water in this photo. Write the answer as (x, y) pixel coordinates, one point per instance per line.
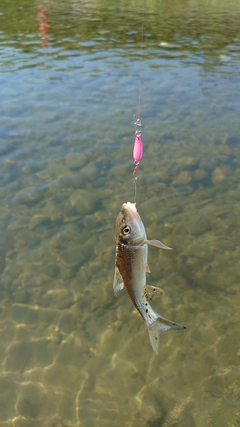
(73, 354)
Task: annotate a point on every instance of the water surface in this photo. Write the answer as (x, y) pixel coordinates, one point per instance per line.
(73, 354)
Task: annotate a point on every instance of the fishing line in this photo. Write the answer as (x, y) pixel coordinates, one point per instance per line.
(138, 145)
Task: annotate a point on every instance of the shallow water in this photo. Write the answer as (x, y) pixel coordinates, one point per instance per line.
(73, 354)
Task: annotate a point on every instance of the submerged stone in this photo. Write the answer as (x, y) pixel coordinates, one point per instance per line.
(76, 160)
(84, 202)
(32, 401)
(25, 237)
(39, 220)
(200, 174)
(20, 357)
(52, 270)
(25, 314)
(27, 196)
(9, 390)
(54, 211)
(76, 256)
(184, 177)
(218, 176)
(58, 298)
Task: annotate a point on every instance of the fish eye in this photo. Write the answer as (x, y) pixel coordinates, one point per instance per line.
(126, 230)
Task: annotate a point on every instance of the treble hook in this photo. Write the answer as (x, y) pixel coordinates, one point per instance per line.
(138, 125)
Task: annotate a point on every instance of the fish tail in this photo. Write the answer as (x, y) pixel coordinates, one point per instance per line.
(156, 328)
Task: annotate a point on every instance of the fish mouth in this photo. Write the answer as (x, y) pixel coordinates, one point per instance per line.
(130, 208)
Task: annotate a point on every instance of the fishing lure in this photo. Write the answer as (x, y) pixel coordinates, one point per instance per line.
(138, 145)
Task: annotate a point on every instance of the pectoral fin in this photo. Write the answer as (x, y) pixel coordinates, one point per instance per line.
(153, 292)
(118, 284)
(158, 244)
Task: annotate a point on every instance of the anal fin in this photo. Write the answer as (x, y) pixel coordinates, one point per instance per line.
(152, 292)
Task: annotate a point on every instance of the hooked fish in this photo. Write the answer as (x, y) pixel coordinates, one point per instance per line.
(131, 265)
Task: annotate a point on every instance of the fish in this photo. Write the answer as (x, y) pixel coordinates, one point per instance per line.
(131, 266)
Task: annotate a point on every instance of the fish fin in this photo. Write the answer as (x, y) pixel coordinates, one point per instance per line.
(158, 244)
(148, 269)
(118, 284)
(156, 328)
(153, 292)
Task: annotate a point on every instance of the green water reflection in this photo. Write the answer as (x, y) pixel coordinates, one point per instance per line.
(72, 354)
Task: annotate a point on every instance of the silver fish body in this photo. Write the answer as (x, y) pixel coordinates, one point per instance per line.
(131, 267)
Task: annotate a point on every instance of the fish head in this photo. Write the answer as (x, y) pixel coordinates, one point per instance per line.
(129, 227)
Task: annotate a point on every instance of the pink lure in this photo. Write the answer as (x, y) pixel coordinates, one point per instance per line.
(137, 149)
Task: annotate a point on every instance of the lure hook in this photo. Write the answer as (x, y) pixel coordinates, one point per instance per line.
(137, 124)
